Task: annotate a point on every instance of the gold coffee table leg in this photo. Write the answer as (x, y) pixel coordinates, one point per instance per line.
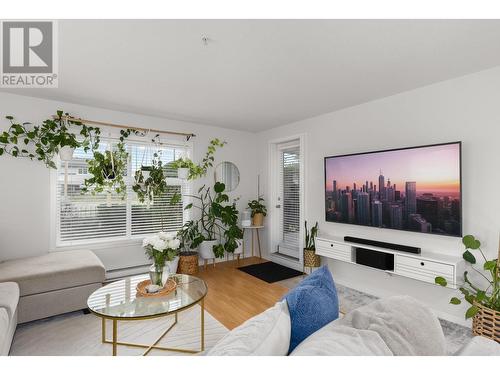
(202, 305)
(115, 333)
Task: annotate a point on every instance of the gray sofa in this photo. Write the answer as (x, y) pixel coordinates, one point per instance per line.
(9, 298)
(42, 286)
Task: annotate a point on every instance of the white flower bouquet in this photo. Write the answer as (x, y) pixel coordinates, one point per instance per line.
(160, 248)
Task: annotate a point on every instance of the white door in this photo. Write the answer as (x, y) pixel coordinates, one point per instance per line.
(288, 198)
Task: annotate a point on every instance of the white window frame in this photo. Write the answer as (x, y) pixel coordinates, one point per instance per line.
(103, 243)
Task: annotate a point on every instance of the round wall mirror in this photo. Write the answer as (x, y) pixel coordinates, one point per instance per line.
(229, 174)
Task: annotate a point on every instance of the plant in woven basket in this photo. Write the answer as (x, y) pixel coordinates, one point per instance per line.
(486, 294)
(310, 236)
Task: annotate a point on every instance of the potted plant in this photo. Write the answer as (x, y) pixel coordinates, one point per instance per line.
(259, 210)
(218, 223)
(183, 167)
(56, 135)
(484, 297)
(311, 259)
(107, 169)
(190, 239)
(162, 249)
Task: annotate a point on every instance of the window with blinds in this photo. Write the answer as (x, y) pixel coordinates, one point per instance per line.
(87, 218)
(290, 199)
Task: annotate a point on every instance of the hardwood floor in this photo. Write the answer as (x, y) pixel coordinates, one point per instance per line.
(235, 296)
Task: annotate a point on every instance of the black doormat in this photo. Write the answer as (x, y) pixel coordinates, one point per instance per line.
(270, 272)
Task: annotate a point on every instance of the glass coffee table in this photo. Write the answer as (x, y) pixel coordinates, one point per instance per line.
(118, 301)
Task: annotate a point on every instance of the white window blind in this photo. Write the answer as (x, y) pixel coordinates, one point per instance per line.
(87, 218)
(290, 197)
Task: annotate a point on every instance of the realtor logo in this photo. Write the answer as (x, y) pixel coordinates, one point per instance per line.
(29, 54)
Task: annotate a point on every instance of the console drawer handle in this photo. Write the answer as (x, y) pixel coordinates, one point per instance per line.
(331, 245)
(422, 263)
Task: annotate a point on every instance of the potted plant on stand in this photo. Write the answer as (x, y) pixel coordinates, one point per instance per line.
(218, 223)
(484, 296)
(162, 249)
(259, 211)
(183, 167)
(311, 259)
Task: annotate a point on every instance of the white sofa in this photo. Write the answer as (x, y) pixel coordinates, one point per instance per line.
(9, 298)
(393, 326)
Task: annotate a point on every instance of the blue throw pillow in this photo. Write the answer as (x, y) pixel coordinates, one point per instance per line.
(312, 304)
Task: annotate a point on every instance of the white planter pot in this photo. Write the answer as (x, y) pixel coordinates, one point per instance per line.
(206, 249)
(239, 249)
(183, 173)
(145, 174)
(173, 264)
(66, 153)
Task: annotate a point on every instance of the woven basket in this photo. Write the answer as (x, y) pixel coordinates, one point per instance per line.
(311, 259)
(486, 323)
(188, 264)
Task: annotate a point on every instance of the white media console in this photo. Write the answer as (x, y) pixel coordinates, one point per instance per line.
(424, 267)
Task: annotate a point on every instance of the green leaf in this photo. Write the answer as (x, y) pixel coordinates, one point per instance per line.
(9, 117)
(467, 255)
(473, 310)
(480, 295)
(188, 206)
(440, 281)
(455, 301)
(1, 151)
(490, 265)
(219, 187)
(470, 242)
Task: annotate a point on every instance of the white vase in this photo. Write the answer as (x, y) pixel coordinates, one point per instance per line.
(66, 153)
(173, 264)
(183, 173)
(206, 249)
(145, 174)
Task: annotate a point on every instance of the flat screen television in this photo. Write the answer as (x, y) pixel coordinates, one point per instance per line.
(415, 189)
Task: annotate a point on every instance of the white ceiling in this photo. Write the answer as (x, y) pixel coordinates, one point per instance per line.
(258, 74)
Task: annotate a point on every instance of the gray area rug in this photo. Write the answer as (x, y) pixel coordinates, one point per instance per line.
(80, 334)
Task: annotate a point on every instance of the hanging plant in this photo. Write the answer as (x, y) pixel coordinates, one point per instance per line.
(150, 181)
(107, 169)
(43, 142)
(199, 170)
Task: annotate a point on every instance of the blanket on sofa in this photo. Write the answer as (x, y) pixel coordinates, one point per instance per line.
(391, 326)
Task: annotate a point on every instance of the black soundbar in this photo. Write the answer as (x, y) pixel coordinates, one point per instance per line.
(385, 245)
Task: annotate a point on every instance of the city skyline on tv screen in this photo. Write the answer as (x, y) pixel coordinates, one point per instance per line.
(415, 189)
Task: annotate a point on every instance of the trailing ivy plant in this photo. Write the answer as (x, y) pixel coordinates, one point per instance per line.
(107, 169)
(489, 296)
(200, 170)
(154, 185)
(43, 142)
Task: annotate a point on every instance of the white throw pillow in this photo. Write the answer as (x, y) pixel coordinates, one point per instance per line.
(265, 334)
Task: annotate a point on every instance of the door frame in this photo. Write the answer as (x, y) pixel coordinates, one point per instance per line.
(274, 217)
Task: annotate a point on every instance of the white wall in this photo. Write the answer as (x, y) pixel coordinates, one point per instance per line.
(465, 109)
(25, 218)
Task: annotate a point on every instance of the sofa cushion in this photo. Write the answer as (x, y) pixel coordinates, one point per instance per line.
(265, 334)
(406, 325)
(53, 271)
(313, 303)
(340, 340)
(9, 298)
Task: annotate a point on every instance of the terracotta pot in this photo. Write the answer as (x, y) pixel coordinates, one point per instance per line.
(258, 220)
